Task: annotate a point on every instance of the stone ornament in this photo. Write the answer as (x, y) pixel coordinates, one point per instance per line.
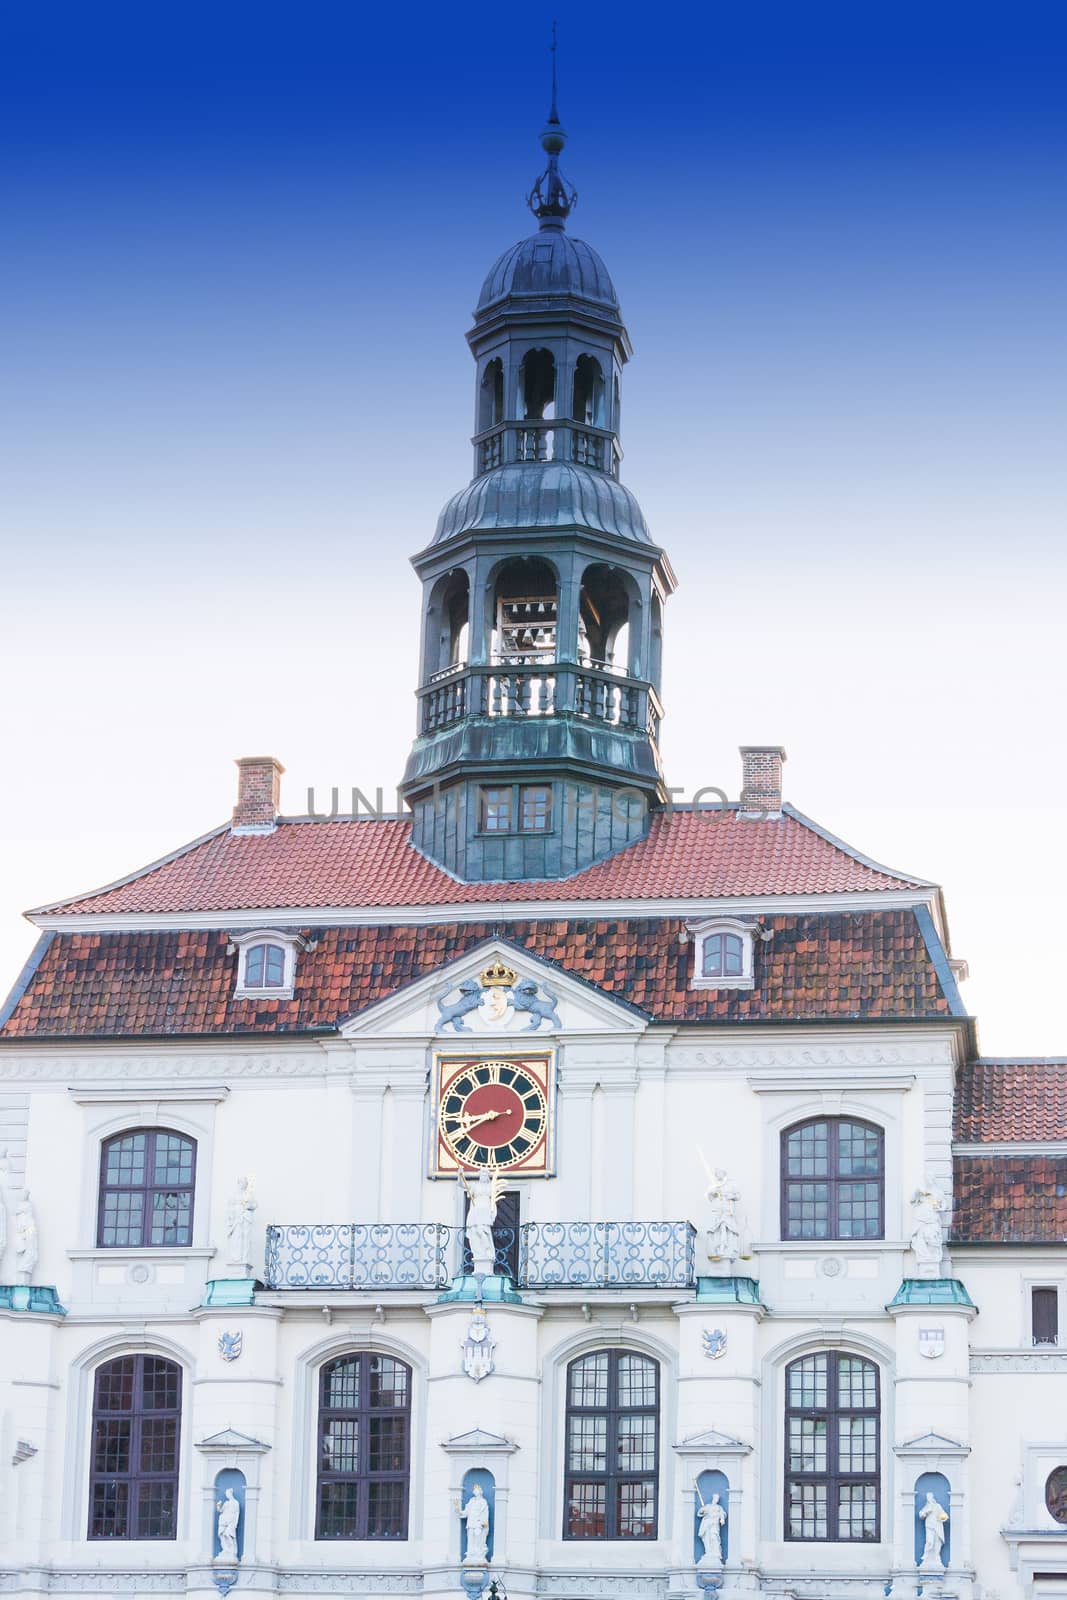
(481, 1215)
(478, 1348)
(927, 1229)
(714, 1343)
(723, 1231)
(27, 1247)
(1056, 1494)
(228, 1514)
(497, 999)
(476, 1515)
(240, 1222)
(712, 1520)
(934, 1518)
(931, 1343)
(230, 1345)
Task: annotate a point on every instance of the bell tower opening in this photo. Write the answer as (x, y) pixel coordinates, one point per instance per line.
(588, 398)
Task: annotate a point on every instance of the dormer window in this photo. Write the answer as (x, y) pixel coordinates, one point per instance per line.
(266, 964)
(722, 954)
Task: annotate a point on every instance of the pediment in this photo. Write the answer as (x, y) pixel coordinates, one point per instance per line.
(521, 998)
(230, 1439)
(478, 1442)
(712, 1443)
(933, 1444)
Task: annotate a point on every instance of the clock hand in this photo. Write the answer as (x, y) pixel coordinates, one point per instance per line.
(468, 1122)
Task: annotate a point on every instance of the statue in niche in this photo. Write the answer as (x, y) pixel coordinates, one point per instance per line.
(481, 1215)
(723, 1229)
(927, 1228)
(240, 1221)
(709, 1528)
(476, 1515)
(229, 1517)
(26, 1241)
(933, 1517)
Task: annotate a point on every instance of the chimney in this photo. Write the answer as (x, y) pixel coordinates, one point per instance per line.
(761, 778)
(258, 794)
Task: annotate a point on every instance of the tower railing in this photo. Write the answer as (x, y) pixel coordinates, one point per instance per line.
(592, 691)
(559, 439)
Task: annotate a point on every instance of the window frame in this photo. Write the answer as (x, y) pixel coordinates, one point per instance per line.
(517, 793)
(711, 928)
(364, 1412)
(1047, 1286)
(244, 943)
(147, 1189)
(612, 1477)
(833, 1477)
(135, 1415)
(833, 1180)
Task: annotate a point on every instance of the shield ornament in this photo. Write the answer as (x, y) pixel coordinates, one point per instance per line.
(231, 1345)
(714, 1343)
(931, 1343)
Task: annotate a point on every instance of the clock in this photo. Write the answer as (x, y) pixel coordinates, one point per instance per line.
(493, 1112)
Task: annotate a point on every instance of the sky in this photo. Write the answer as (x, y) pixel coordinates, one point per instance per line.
(241, 246)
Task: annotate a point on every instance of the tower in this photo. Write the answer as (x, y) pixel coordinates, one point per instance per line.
(537, 744)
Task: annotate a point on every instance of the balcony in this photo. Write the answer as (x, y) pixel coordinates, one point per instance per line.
(427, 1256)
(592, 691)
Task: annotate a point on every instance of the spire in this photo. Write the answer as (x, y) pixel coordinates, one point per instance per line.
(552, 199)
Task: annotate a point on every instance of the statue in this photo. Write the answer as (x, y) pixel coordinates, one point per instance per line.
(478, 1347)
(934, 1516)
(709, 1529)
(476, 1515)
(481, 1215)
(229, 1515)
(723, 1230)
(927, 1234)
(26, 1243)
(240, 1215)
(5, 1171)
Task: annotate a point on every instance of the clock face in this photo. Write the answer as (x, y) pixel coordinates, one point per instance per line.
(493, 1112)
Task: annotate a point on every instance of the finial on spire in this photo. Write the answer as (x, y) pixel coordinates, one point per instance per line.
(552, 199)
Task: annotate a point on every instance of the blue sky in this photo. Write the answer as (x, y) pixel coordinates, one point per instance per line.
(242, 245)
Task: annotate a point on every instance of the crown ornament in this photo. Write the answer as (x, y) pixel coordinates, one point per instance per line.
(497, 976)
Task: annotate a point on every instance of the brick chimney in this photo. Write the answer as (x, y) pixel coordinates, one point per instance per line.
(761, 778)
(258, 793)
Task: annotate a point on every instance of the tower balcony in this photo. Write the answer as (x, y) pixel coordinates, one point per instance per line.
(559, 440)
(524, 690)
(428, 1256)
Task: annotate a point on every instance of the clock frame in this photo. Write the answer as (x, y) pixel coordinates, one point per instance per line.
(495, 1109)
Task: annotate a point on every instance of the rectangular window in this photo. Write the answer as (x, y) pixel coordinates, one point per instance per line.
(1045, 1316)
(496, 810)
(535, 808)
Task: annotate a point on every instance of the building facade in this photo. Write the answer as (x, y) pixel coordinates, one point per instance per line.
(549, 1191)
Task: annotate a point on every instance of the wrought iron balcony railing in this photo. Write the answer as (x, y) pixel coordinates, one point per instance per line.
(428, 1255)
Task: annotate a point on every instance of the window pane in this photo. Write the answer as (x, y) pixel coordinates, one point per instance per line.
(388, 1444)
(636, 1511)
(159, 1444)
(254, 967)
(807, 1444)
(637, 1444)
(589, 1381)
(585, 1511)
(172, 1217)
(807, 1211)
(637, 1381)
(713, 956)
(386, 1517)
(807, 1384)
(114, 1385)
(122, 1223)
(124, 1161)
(857, 1513)
(274, 970)
(859, 1150)
(807, 1511)
(337, 1510)
(857, 1444)
(388, 1382)
(161, 1385)
(1045, 1316)
(587, 1444)
(496, 810)
(109, 1511)
(155, 1510)
(733, 955)
(340, 1445)
(807, 1151)
(859, 1211)
(111, 1446)
(535, 808)
(857, 1383)
(173, 1160)
(342, 1385)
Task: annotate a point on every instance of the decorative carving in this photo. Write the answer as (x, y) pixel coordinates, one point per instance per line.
(931, 1343)
(1056, 1493)
(927, 1234)
(478, 1348)
(27, 1245)
(24, 1451)
(497, 974)
(830, 1266)
(476, 1515)
(496, 998)
(525, 998)
(714, 1343)
(230, 1345)
(240, 1222)
(228, 1513)
(723, 1231)
(571, 1583)
(1031, 1361)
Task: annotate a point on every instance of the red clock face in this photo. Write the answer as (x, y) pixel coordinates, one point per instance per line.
(492, 1113)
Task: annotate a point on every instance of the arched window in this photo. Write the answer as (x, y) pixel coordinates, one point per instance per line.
(133, 1486)
(491, 395)
(832, 1448)
(588, 396)
(722, 956)
(264, 967)
(833, 1180)
(364, 1448)
(146, 1190)
(611, 1487)
(538, 379)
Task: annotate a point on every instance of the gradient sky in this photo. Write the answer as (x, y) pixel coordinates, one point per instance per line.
(240, 250)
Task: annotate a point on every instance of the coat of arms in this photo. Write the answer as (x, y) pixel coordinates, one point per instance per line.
(931, 1343)
(495, 999)
(714, 1343)
(230, 1345)
(478, 1348)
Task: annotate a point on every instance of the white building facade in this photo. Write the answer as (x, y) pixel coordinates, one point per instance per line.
(777, 1266)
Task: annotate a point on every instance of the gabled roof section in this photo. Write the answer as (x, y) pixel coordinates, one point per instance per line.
(1000, 1101)
(314, 864)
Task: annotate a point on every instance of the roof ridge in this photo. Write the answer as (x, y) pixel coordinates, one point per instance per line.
(856, 855)
(129, 877)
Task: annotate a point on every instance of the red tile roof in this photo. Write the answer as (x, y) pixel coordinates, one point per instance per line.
(1011, 1100)
(687, 855)
(856, 965)
(1010, 1199)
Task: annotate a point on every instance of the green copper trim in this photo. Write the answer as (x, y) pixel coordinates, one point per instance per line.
(43, 1297)
(931, 1292)
(229, 1292)
(729, 1291)
(487, 1289)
